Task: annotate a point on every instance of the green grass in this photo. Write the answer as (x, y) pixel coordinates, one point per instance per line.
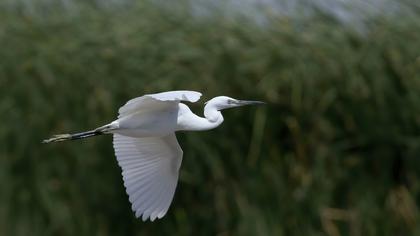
(340, 128)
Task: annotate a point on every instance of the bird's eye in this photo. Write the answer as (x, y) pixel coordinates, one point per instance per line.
(230, 101)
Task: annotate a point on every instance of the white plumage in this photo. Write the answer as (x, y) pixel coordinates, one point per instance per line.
(150, 172)
(146, 146)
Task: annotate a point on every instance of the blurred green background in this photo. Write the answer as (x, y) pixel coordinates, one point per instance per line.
(334, 152)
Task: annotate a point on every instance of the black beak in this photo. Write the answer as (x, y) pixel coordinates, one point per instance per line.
(244, 103)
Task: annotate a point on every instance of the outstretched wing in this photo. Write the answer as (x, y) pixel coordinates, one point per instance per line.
(158, 101)
(150, 171)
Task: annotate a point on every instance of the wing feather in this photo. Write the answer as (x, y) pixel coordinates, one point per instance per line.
(150, 172)
(158, 203)
(158, 101)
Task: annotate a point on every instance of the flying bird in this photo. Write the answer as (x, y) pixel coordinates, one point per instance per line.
(146, 146)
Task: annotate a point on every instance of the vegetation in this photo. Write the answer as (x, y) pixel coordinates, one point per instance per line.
(335, 151)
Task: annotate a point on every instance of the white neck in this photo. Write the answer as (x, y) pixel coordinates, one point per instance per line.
(189, 121)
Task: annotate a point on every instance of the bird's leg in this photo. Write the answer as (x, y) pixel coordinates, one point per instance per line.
(64, 137)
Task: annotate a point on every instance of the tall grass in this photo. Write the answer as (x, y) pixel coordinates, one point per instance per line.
(339, 136)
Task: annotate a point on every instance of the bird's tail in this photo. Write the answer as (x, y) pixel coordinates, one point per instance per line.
(64, 137)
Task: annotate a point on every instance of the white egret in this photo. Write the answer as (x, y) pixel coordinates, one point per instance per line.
(146, 146)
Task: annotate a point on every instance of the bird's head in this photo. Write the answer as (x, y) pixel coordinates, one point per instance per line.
(224, 102)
